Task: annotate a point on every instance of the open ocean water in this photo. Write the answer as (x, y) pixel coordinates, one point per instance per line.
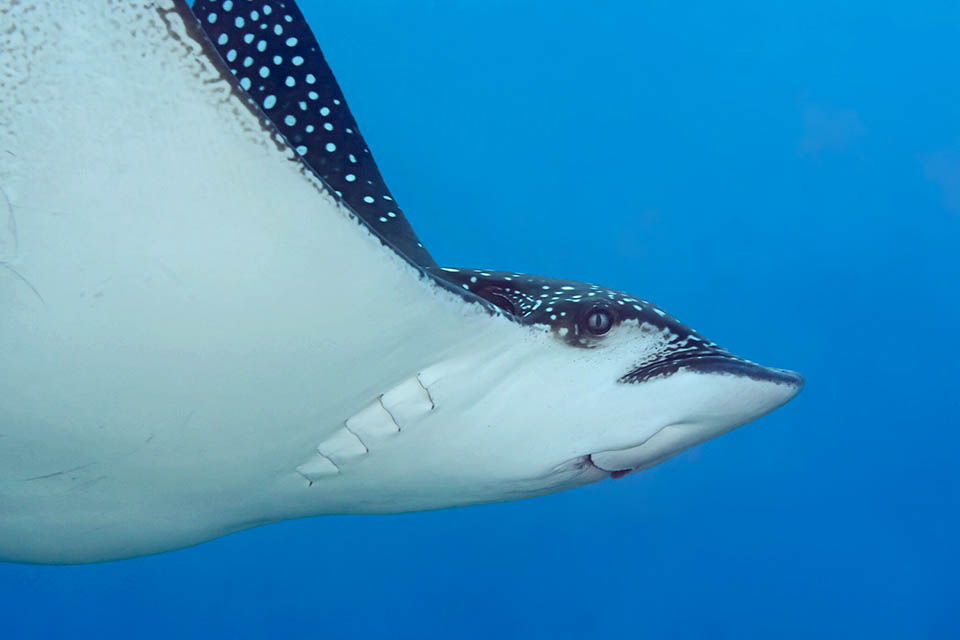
(785, 177)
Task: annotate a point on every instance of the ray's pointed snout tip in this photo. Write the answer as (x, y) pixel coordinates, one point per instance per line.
(790, 378)
(787, 377)
(788, 384)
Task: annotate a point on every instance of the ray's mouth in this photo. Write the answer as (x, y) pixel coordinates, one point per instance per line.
(615, 474)
(587, 462)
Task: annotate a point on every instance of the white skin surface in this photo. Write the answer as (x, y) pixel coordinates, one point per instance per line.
(188, 317)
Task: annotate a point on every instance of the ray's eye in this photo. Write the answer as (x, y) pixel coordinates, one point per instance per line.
(498, 298)
(598, 321)
(503, 302)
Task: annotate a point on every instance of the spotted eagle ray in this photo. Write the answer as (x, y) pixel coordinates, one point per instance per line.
(216, 316)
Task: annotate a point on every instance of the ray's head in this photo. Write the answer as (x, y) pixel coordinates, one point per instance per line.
(634, 385)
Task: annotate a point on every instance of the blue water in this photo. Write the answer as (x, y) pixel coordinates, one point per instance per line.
(785, 177)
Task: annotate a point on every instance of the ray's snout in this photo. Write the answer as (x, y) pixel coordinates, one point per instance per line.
(701, 397)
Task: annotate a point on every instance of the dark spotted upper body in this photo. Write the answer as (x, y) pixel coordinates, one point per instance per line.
(563, 305)
(583, 314)
(566, 306)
